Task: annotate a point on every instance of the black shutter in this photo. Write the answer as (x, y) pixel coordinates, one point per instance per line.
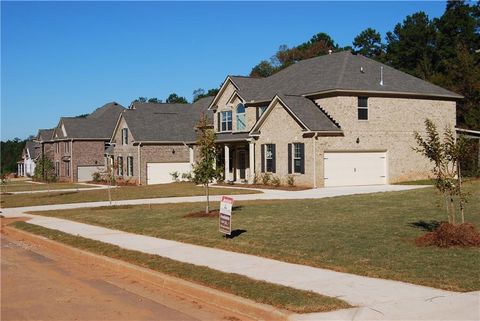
(289, 158)
(257, 110)
(262, 149)
(219, 128)
(302, 158)
(273, 159)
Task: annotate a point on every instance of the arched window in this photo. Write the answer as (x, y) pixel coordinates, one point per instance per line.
(240, 111)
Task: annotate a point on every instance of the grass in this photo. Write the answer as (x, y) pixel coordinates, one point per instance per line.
(258, 291)
(371, 235)
(119, 193)
(418, 182)
(24, 186)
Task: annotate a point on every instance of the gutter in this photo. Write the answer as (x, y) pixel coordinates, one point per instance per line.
(315, 160)
(139, 164)
(382, 93)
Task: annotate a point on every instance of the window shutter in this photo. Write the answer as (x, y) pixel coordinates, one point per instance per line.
(302, 156)
(257, 111)
(262, 149)
(273, 159)
(289, 158)
(218, 122)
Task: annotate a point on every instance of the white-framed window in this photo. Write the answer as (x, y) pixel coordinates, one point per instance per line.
(296, 158)
(120, 166)
(130, 166)
(362, 108)
(57, 169)
(67, 168)
(225, 121)
(125, 136)
(268, 158)
(260, 111)
(67, 147)
(240, 115)
(57, 147)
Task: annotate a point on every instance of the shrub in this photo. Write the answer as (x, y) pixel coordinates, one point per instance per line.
(97, 177)
(290, 180)
(175, 175)
(266, 178)
(256, 179)
(276, 181)
(187, 177)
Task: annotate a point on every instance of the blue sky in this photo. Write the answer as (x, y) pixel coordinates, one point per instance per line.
(68, 58)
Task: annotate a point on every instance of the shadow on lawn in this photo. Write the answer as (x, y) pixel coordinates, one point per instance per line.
(235, 233)
(427, 226)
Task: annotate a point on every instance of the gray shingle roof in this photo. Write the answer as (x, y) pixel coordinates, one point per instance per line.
(30, 147)
(338, 71)
(309, 113)
(98, 125)
(166, 122)
(45, 134)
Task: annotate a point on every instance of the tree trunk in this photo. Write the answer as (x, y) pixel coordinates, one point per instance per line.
(452, 205)
(207, 208)
(462, 204)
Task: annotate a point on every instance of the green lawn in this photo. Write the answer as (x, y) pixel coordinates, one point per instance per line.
(259, 291)
(369, 235)
(24, 186)
(119, 193)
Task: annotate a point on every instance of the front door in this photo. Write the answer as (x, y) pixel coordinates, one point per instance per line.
(241, 163)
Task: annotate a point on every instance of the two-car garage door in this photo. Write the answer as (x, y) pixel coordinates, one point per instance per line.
(357, 168)
(160, 173)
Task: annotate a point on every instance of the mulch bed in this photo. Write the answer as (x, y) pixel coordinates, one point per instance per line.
(449, 235)
(283, 188)
(214, 213)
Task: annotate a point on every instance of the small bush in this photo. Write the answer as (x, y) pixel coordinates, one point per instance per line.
(290, 180)
(448, 235)
(276, 181)
(256, 179)
(266, 178)
(175, 176)
(97, 177)
(187, 177)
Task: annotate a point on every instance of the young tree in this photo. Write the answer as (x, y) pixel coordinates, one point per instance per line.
(446, 156)
(204, 170)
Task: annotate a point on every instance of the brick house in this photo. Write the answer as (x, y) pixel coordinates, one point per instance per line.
(79, 143)
(335, 120)
(152, 140)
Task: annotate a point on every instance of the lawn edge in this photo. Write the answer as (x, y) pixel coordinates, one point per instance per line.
(207, 295)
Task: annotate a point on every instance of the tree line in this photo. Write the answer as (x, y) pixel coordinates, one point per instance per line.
(444, 51)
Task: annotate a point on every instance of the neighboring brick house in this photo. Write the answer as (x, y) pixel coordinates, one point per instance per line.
(45, 143)
(151, 141)
(335, 120)
(79, 143)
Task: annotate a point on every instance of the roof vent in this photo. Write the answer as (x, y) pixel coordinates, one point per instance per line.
(361, 70)
(330, 51)
(381, 76)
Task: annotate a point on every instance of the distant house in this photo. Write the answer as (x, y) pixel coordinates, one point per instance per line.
(80, 143)
(334, 120)
(151, 141)
(26, 166)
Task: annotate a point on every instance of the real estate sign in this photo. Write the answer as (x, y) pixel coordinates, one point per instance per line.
(225, 217)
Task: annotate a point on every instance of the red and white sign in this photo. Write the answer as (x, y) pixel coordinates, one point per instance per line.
(225, 217)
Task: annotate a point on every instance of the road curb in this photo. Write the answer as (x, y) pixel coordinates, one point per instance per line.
(195, 291)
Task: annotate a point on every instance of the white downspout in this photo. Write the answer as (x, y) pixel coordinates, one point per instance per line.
(139, 165)
(71, 162)
(315, 160)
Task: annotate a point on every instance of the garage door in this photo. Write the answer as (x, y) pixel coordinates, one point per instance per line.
(159, 173)
(348, 169)
(84, 173)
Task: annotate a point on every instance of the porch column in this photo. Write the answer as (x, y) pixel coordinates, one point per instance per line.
(251, 163)
(227, 163)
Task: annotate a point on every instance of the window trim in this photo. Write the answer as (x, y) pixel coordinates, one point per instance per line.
(362, 108)
(226, 122)
(272, 168)
(124, 136)
(130, 169)
(67, 169)
(237, 118)
(120, 165)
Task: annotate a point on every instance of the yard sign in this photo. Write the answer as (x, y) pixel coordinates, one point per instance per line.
(225, 223)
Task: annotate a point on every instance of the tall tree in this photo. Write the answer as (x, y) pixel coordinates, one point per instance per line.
(154, 100)
(263, 69)
(411, 46)
(175, 99)
(369, 43)
(200, 93)
(11, 152)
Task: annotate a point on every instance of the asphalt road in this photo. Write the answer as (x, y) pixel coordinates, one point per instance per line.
(37, 285)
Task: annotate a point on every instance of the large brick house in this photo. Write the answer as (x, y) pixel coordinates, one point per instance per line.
(335, 120)
(79, 143)
(150, 141)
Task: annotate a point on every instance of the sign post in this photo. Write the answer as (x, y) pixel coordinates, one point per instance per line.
(225, 217)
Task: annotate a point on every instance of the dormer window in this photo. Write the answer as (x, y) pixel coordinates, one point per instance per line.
(240, 117)
(225, 121)
(260, 111)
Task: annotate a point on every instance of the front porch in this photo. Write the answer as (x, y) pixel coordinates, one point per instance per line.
(238, 161)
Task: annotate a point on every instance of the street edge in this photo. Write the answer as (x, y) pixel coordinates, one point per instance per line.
(219, 299)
